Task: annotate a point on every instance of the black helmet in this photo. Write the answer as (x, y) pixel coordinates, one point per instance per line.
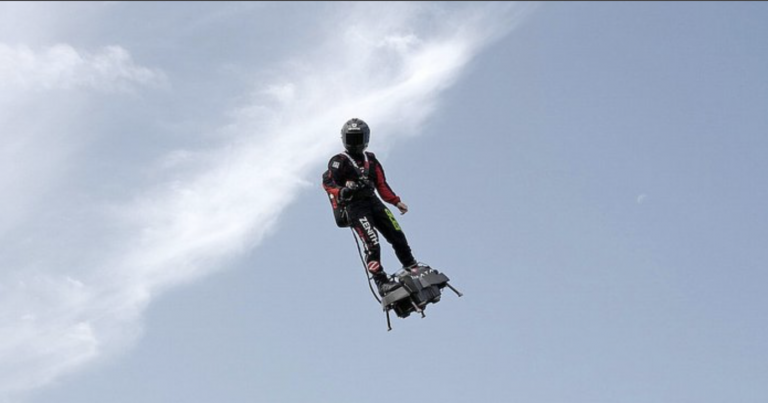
(355, 135)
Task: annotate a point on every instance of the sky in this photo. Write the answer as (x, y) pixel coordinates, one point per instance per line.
(591, 175)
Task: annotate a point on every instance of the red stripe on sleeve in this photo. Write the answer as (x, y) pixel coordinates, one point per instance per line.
(382, 186)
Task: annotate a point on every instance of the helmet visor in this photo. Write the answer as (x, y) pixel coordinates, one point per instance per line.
(355, 138)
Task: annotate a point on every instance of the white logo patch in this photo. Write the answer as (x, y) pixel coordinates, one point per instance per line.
(368, 228)
(335, 165)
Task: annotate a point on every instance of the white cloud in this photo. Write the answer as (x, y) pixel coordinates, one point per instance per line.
(64, 67)
(213, 205)
(42, 93)
(46, 326)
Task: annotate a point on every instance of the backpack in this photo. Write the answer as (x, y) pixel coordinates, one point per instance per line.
(339, 212)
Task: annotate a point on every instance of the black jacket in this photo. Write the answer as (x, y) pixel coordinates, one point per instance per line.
(341, 169)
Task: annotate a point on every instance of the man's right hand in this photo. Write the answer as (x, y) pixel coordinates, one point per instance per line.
(348, 190)
(351, 185)
(346, 193)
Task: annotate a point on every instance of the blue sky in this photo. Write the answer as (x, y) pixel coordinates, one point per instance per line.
(590, 175)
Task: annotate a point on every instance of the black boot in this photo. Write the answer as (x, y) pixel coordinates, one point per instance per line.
(384, 284)
(411, 266)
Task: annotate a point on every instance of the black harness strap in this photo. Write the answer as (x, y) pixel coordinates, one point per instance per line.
(363, 173)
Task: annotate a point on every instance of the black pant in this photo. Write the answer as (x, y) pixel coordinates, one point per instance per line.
(366, 217)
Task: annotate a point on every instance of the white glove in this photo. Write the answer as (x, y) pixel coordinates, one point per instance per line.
(402, 207)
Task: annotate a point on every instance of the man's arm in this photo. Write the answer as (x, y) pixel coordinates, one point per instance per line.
(385, 190)
(332, 181)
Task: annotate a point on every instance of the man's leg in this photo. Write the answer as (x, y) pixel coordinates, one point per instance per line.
(365, 230)
(389, 227)
(363, 226)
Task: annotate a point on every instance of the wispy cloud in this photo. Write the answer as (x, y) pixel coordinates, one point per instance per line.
(40, 91)
(64, 67)
(386, 63)
(46, 327)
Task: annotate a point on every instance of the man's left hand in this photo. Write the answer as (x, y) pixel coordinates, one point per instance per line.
(402, 207)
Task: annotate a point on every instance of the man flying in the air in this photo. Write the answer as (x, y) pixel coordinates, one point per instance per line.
(352, 179)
